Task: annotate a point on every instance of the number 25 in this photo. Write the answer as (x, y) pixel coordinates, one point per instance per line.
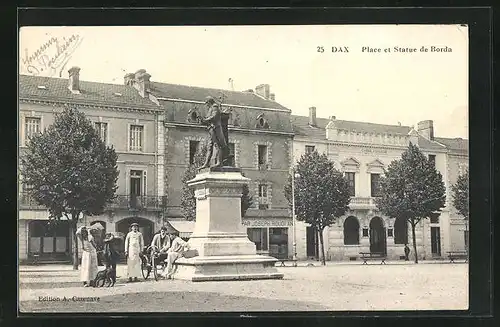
(321, 49)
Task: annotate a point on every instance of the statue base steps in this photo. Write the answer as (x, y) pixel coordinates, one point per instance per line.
(225, 268)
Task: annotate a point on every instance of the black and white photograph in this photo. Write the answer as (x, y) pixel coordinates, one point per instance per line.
(243, 168)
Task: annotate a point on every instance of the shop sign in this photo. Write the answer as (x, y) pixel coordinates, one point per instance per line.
(267, 222)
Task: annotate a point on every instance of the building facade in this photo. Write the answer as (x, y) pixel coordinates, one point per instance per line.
(260, 140)
(124, 119)
(361, 151)
(155, 131)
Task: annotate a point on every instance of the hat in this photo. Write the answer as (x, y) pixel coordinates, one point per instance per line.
(209, 99)
(109, 237)
(134, 224)
(170, 229)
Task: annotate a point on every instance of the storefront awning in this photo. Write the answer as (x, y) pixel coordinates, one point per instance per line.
(185, 228)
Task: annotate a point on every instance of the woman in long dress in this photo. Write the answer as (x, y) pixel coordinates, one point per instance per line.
(134, 243)
(89, 256)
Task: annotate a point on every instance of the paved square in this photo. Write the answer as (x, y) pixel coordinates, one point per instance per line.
(335, 287)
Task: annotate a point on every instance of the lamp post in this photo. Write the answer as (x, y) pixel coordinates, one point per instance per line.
(294, 175)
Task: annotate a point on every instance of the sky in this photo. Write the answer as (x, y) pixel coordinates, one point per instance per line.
(379, 87)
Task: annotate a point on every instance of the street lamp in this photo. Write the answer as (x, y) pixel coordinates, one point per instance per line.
(294, 175)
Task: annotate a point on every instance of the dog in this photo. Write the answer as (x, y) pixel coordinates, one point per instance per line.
(106, 276)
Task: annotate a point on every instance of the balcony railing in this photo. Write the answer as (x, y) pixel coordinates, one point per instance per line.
(138, 202)
(367, 203)
(142, 202)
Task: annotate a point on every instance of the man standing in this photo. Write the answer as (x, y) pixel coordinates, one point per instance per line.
(217, 139)
(407, 253)
(176, 250)
(134, 243)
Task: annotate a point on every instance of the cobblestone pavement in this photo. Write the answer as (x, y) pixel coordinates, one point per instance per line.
(334, 287)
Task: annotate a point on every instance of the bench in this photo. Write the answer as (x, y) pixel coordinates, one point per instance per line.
(283, 260)
(458, 255)
(373, 256)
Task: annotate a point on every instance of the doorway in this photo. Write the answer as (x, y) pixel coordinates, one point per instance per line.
(312, 243)
(378, 240)
(135, 188)
(435, 241)
(49, 241)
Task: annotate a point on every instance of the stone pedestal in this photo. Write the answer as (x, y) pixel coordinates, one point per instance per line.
(220, 248)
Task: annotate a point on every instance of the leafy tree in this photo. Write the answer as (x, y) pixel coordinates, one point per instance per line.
(70, 170)
(460, 193)
(246, 200)
(321, 193)
(412, 189)
(188, 201)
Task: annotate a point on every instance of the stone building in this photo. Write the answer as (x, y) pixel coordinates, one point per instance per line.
(126, 119)
(260, 139)
(361, 150)
(153, 128)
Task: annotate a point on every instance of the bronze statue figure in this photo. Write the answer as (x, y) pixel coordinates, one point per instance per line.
(216, 122)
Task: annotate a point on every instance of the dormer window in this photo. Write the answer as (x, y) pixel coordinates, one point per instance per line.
(261, 122)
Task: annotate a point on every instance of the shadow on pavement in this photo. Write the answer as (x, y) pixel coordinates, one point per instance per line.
(170, 302)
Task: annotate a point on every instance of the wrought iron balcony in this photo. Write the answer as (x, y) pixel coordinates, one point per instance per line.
(138, 202)
(366, 203)
(143, 202)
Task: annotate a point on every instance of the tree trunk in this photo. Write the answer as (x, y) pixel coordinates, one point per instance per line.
(414, 241)
(323, 262)
(75, 242)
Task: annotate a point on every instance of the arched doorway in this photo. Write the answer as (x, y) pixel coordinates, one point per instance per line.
(351, 231)
(146, 227)
(400, 231)
(377, 236)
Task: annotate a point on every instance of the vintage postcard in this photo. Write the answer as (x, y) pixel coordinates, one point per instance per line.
(243, 168)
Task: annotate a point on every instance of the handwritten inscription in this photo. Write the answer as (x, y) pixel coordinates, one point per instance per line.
(52, 56)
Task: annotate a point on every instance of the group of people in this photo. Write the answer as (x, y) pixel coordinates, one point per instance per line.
(167, 243)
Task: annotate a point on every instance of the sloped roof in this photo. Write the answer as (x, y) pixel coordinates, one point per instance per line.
(195, 93)
(454, 144)
(301, 127)
(426, 144)
(91, 92)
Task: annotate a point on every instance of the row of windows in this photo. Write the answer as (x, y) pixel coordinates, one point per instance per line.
(135, 137)
(351, 231)
(374, 184)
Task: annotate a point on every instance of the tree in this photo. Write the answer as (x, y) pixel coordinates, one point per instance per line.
(70, 170)
(188, 201)
(321, 193)
(460, 193)
(412, 189)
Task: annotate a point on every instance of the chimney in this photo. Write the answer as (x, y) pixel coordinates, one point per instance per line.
(74, 80)
(426, 129)
(312, 116)
(142, 83)
(263, 90)
(272, 97)
(129, 79)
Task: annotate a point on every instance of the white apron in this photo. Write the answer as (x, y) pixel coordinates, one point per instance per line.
(134, 244)
(89, 261)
